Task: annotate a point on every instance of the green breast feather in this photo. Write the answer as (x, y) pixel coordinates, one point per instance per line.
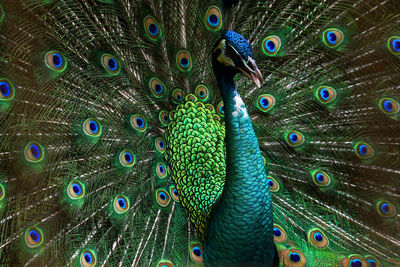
(196, 157)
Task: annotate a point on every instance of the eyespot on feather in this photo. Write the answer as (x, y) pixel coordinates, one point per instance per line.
(385, 209)
(184, 61)
(160, 144)
(163, 116)
(7, 90)
(161, 170)
(34, 152)
(121, 204)
(196, 252)
(152, 28)
(202, 92)
(364, 150)
(333, 37)
(279, 234)
(295, 139)
(213, 18)
(33, 237)
(88, 258)
(138, 123)
(75, 190)
(157, 88)
(271, 45)
(318, 238)
(55, 60)
(92, 127)
(127, 158)
(110, 64)
(353, 261)
(326, 94)
(162, 197)
(265, 102)
(389, 106)
(293, 258)
(273, 184)
(178, 96)
(321, 178)
(174, 193)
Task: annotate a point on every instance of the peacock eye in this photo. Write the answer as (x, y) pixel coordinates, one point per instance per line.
(88, 258)
(394, 45)
(121, 204)
(111, 64)
(163, 116)
(321, 178)
(326, 94)
(174, 193)
(33, 237)
(152, 28)
(389, 106)
(6, 90)
(221, 109)
(92, 127)
(333, 37)
(34, 152)
(55, 61)
(386, 209)
(279, 234)
(184, 60)
(75, 190)
(196, 252)
(213, 18)
(127, 158)
(295, 139)
(138, 123)
(178, 96)
(272, 184)
(160, 144)
(317, 238)
(202, 92)
(265, 102)
(157, 88)
(162, 197)
(161, 170)
(364, 150)
(271, 45)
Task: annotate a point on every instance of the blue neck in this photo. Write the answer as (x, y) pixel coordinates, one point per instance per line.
(240, 230)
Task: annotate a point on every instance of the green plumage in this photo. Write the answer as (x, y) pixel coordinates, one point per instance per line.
(196, 156)
(112, 128)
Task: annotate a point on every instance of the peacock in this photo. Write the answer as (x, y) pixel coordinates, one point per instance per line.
(200, 133)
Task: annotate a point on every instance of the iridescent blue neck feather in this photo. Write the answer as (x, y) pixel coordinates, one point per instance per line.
(240, 231)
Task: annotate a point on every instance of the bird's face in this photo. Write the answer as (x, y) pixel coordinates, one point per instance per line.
(232, 53)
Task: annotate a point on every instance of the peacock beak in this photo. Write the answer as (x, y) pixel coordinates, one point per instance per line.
(251, 71)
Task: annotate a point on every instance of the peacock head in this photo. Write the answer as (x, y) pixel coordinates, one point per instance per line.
(232, 54)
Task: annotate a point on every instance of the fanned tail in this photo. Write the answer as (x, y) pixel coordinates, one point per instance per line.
(327, 121)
